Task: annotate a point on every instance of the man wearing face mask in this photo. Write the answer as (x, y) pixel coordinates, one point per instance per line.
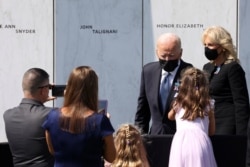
(159, 85)
(227, 80)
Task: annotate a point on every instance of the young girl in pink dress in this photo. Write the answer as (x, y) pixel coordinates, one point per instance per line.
(193, 112)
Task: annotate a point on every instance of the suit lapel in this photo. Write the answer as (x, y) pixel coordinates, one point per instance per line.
(155, 86)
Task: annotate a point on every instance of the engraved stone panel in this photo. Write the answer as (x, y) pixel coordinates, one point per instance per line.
(26, 41)
(106, 35)
(188, 19)
(115, 37)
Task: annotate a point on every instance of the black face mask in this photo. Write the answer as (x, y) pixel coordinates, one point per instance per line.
(169, 65)
(211, 54)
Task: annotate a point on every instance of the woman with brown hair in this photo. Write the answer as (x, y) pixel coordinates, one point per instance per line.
(77, 135)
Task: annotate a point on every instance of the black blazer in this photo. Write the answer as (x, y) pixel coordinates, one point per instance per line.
(228, 88)
(149, 105)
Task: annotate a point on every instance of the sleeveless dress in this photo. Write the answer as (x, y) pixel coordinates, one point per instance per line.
(191, 145)
(78, 150)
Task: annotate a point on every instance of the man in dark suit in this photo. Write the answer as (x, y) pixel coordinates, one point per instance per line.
(151, 104)
(23, 124)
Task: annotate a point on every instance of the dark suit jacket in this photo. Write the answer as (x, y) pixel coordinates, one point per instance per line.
(149, 105)
(248, 146)
(229, 90)
(26, 137)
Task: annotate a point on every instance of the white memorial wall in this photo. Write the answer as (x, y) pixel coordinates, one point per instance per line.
(26, 41)
(116, 38)
(106, 35)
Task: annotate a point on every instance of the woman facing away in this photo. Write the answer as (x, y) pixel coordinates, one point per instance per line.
(227, 82)
(193, 112)
(76, 134)
(130, 148)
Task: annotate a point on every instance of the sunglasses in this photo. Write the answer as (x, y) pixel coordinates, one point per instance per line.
(45, 86)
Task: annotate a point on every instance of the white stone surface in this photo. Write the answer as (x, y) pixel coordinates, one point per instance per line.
(244, 37)
(26, 41)
(188, 19)
(117, 56)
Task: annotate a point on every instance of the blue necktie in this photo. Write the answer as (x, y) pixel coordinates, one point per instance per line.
(164, 89)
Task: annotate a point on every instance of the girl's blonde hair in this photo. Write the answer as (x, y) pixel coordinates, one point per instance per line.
(130, 148)
(193, 94)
